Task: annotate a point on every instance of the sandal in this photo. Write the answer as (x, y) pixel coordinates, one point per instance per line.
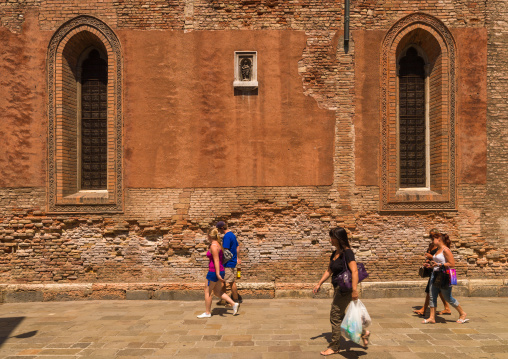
(462, 321)
(426, 321)
(419, 312)
(365, 339)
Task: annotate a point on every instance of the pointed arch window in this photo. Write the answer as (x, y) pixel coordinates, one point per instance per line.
(418, 90)
(85, 118)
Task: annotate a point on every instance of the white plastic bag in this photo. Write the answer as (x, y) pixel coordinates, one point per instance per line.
(351, 325)
(366, 321)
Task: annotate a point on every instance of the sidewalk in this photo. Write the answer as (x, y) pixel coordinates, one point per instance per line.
(265, 328)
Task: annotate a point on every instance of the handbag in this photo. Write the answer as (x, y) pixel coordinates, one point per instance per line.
(424, 272)
(452, 273)
(345, 279)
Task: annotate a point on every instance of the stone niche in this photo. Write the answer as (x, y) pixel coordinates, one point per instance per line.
(246, 71)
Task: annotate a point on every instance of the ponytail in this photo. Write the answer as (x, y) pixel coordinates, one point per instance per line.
(215, 235)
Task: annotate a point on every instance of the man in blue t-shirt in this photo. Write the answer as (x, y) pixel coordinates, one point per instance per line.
(230, 242)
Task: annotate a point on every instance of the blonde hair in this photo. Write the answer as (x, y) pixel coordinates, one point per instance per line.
(214, 234)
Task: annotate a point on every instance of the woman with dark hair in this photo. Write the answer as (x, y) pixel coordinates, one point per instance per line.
(428, 257)
(341, 299)
(442, 259)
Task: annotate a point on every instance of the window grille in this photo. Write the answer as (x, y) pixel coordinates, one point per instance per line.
(412, 121)
(94, 104)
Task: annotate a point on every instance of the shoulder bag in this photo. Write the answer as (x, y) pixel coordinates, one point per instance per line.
(226, 255)
(345, 278)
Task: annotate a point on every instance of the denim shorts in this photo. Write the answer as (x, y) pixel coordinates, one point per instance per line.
(212, 276)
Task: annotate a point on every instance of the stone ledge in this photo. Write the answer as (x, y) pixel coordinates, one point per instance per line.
(16, 293)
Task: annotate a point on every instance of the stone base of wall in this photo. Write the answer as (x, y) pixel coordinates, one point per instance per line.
(16, 293)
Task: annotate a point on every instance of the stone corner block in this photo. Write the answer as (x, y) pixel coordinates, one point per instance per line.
(503, 291)
(485, 287)
(24, 296)
(138, 295)
(183, 295)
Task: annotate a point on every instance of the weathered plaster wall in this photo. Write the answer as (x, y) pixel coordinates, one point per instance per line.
(22, 105)
(185, 127)
(472, 105)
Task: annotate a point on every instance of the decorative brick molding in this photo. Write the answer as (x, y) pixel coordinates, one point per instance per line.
(442, 192)
(67, 44)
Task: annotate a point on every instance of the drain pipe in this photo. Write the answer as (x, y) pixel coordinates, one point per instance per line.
(346, 26)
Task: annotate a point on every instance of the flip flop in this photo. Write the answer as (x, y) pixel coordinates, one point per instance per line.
(426, 321)
(462, 321)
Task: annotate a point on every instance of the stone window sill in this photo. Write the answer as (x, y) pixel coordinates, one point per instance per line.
(87, 197)
(245, 84)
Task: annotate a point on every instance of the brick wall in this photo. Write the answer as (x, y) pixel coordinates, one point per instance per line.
(495, 219)
(160, 236)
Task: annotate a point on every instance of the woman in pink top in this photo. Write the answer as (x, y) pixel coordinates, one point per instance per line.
(215, 276)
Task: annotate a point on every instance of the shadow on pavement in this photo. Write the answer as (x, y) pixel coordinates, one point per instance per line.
(7, 326)
(345, 346)
(220, 311)
(327, 336)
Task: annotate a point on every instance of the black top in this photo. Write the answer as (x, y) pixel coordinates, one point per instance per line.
(337, 266)
(432, 252)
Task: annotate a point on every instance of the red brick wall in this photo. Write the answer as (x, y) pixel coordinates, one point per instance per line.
(438, 147)
(160, 235)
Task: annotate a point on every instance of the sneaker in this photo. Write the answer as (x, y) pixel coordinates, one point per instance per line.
(235, 308)
(205, 315)
(221, 302)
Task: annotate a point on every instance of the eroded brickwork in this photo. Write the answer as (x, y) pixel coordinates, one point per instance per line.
(283, 234)
(160, 236)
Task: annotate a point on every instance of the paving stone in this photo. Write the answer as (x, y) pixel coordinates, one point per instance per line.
(253, 336)
(495, 348)
(135, 352)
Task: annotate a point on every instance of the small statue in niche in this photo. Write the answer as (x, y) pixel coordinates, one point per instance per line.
(246, 69)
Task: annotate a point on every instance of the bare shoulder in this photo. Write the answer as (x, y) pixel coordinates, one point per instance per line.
(448, 251)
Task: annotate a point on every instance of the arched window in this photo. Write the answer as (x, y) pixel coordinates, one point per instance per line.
(94, 125)
(85, 118)
(418, 116)
(412, 121)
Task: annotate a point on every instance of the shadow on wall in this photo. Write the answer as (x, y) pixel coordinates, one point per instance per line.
(7, 326)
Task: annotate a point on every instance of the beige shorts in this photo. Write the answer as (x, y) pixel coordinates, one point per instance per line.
(230, 275)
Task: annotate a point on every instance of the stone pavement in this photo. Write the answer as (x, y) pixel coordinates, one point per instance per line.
(265, 328)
